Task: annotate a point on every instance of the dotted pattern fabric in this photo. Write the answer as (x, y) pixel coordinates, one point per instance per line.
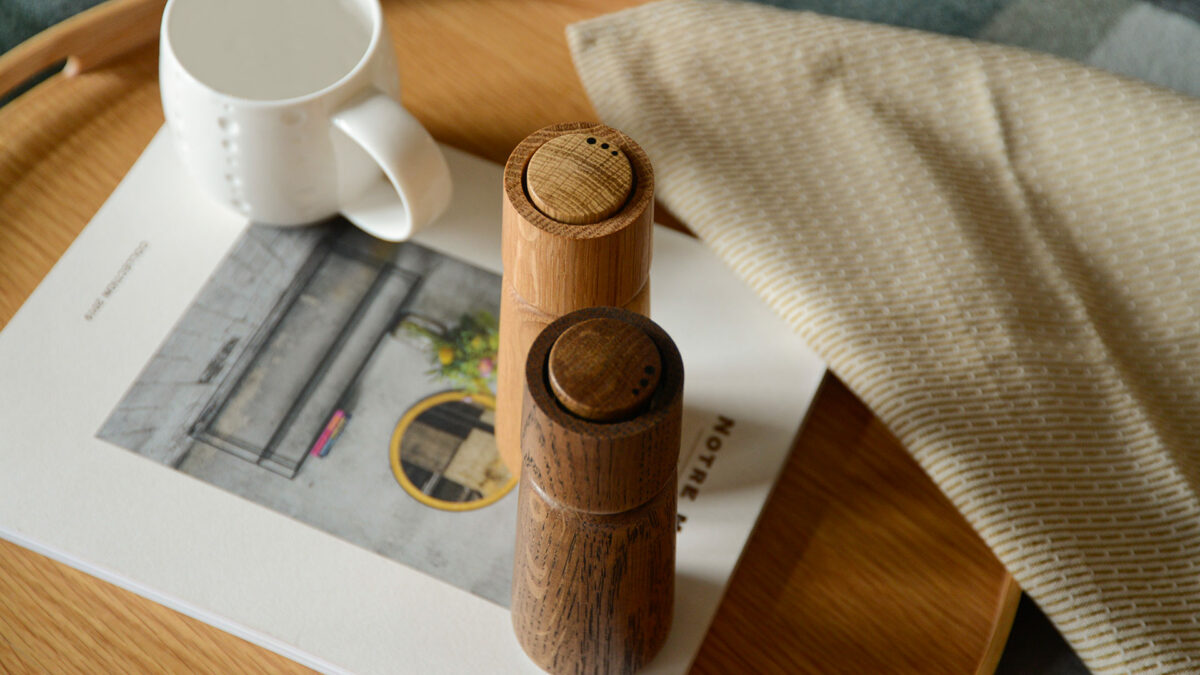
(998, 251)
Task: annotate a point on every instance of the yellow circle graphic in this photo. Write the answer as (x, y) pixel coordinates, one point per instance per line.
(406, 423)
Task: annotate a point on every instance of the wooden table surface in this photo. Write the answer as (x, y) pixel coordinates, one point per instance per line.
(858, 564)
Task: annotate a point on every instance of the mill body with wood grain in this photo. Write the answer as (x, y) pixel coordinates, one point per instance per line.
(577, 232)
(589, 403)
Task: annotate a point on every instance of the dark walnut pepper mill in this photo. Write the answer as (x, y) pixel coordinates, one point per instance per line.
(594, 574)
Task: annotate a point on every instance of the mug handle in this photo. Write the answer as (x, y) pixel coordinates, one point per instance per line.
(418, 186)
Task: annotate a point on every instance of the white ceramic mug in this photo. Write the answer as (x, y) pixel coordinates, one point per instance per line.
(287, 111)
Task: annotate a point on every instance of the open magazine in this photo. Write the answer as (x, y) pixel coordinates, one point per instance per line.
(287, 432)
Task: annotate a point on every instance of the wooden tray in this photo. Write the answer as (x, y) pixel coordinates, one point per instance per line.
(858, 564)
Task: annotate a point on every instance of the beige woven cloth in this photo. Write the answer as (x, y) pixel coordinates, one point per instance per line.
(998, 251)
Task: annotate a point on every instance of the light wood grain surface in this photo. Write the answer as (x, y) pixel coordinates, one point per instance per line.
(578, 178)
(858, 564)
(87, 40)
(614, 253)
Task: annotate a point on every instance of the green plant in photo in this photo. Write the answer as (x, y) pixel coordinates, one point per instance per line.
(465, 353)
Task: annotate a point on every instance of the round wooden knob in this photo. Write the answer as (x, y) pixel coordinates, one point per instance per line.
(604, 370)
(578, 179)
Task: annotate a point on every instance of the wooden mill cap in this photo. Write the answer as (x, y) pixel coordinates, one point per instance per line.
(604, 369)
(579, 178)
(600, 258)
(583, 366)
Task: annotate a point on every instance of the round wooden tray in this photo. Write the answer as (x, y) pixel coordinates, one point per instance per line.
(858, 564)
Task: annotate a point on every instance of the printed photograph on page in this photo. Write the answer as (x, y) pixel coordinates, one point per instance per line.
(347, 383)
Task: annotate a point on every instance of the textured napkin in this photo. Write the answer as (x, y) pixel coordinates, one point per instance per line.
(998, 251)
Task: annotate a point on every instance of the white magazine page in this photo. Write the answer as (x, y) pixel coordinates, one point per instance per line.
(286, 432)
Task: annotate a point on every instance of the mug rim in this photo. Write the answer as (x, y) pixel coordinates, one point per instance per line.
(375, 15)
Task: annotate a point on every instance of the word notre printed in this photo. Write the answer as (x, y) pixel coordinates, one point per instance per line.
(702, 464)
